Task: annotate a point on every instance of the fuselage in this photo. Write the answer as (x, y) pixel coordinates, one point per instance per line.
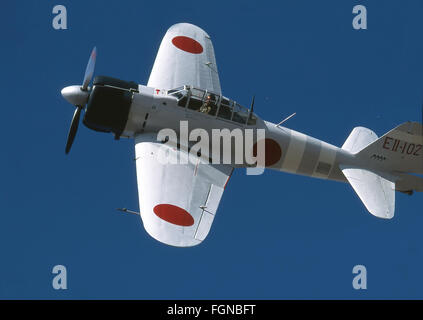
(287, 150)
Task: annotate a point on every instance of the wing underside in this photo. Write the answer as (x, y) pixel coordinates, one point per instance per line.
(178, 202)
(185, 57)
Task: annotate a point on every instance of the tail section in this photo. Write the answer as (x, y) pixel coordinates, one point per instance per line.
(384, 165)
(358, 139)
(376, 192)
(400, 150)
(407, 183)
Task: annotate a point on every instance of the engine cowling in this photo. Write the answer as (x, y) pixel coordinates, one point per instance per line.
(109, 104)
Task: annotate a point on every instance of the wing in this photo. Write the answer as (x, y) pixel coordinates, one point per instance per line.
(178, 202)
(185, 57)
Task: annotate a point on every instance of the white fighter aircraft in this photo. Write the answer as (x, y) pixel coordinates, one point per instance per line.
(179, 202)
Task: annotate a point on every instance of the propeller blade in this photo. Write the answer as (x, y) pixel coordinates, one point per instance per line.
(73, 128)
(89, 71)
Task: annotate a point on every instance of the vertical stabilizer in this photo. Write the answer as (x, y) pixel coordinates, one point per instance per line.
(399, 150)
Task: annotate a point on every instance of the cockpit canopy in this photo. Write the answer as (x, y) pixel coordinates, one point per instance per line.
(212, 104)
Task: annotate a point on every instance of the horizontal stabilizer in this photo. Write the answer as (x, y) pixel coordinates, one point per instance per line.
(376, 192)
(358, 139)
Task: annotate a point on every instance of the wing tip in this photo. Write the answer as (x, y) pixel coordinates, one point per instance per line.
(187, 27)
(170, 238)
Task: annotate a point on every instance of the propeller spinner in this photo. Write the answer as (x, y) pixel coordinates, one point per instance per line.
(78, 96)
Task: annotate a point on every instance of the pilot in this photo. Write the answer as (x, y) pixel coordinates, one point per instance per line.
(207, 105)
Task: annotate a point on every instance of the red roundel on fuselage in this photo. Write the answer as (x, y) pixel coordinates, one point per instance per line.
(187, 44)
(174, 214)
(272, 154)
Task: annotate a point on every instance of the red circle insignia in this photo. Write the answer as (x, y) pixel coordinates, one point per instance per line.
(174, 214)
(187, 44)
(272, 154)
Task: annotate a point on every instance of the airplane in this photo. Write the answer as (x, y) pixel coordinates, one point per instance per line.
(178, 202)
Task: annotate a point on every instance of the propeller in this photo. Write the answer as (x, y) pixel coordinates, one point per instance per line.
(89, 71)
(78, 96)
(73, 128)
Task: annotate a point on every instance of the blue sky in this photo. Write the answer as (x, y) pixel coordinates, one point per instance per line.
(275, 236)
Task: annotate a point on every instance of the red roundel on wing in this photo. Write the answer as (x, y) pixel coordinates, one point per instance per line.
(187, 44)
(174, 214)
(272, 154)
